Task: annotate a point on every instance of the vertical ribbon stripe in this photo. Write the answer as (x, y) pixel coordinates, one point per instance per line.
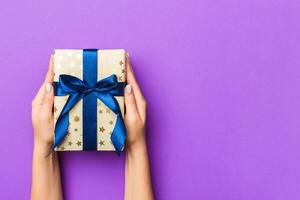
(90, 73)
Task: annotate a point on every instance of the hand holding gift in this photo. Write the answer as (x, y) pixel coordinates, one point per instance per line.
(42, 117)
(135, 116)
(45, 171)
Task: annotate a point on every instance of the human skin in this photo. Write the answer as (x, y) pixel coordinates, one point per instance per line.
(137, 170)
(46, 180)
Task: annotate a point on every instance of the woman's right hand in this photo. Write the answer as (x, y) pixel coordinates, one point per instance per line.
(137, 168)
(135, 116)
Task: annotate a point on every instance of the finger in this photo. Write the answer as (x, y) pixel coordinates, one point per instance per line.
(48, 98)
(39, 98)
(130, 103)
(131, 78)
(48, 89)
(140, 100)
(50, 74)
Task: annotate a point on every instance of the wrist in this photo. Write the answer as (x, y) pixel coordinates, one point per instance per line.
(137, 147)
(42, 150)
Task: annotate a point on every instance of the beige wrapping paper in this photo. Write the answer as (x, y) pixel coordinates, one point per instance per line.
(70, 62)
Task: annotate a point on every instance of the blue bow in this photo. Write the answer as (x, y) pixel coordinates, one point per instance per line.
(105, 90)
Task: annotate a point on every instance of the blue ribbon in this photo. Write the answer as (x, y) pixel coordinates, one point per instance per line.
(90, 90)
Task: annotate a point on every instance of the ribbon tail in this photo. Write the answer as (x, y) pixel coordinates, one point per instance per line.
(61, 130)
(118, 135)
(62, 123)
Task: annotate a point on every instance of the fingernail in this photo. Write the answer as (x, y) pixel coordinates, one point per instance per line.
(48, 87)
(128, 89)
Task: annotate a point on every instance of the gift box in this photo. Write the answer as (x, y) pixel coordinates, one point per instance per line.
(89, 100)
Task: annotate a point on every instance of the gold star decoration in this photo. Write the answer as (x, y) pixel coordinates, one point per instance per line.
(78, 143)
(76, 118)
(62, 148)
(107, 110)
(120, 78)
(54, 109)
(102, 129)
(121, 63)
(123, 71)
(100, 111)
(75, 129)
(70, 143)
(99, 103)
(111, 122)
(102, 142)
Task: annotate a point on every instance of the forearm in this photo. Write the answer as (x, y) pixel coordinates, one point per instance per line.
(46, 182)
(137, 174)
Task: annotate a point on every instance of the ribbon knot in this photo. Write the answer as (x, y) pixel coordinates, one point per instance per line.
(89, 90)
(104, 90)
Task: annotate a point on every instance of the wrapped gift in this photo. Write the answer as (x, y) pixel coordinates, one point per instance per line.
(89, 100)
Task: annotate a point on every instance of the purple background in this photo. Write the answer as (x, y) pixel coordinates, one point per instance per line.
(222, 81)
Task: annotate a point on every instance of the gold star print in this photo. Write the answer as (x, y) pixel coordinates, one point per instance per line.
(107, 110)
(102, 129)
(76, 129)
(99, 103)
(121, 63)
(62, 148)
(100, 111)
(120, 78)
(111, 122)
(70, 143)
(123, 71)
(76, 118)
(102, 142)
(55, 109)
(78, 143)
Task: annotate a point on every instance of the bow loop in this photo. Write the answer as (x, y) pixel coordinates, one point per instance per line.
(70, 85)
(107, 84)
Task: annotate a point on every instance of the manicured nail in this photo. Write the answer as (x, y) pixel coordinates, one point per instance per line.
(48, 87)
(128, 89)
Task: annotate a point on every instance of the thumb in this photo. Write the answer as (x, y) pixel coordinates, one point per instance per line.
(48, 95)
(130, 104)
